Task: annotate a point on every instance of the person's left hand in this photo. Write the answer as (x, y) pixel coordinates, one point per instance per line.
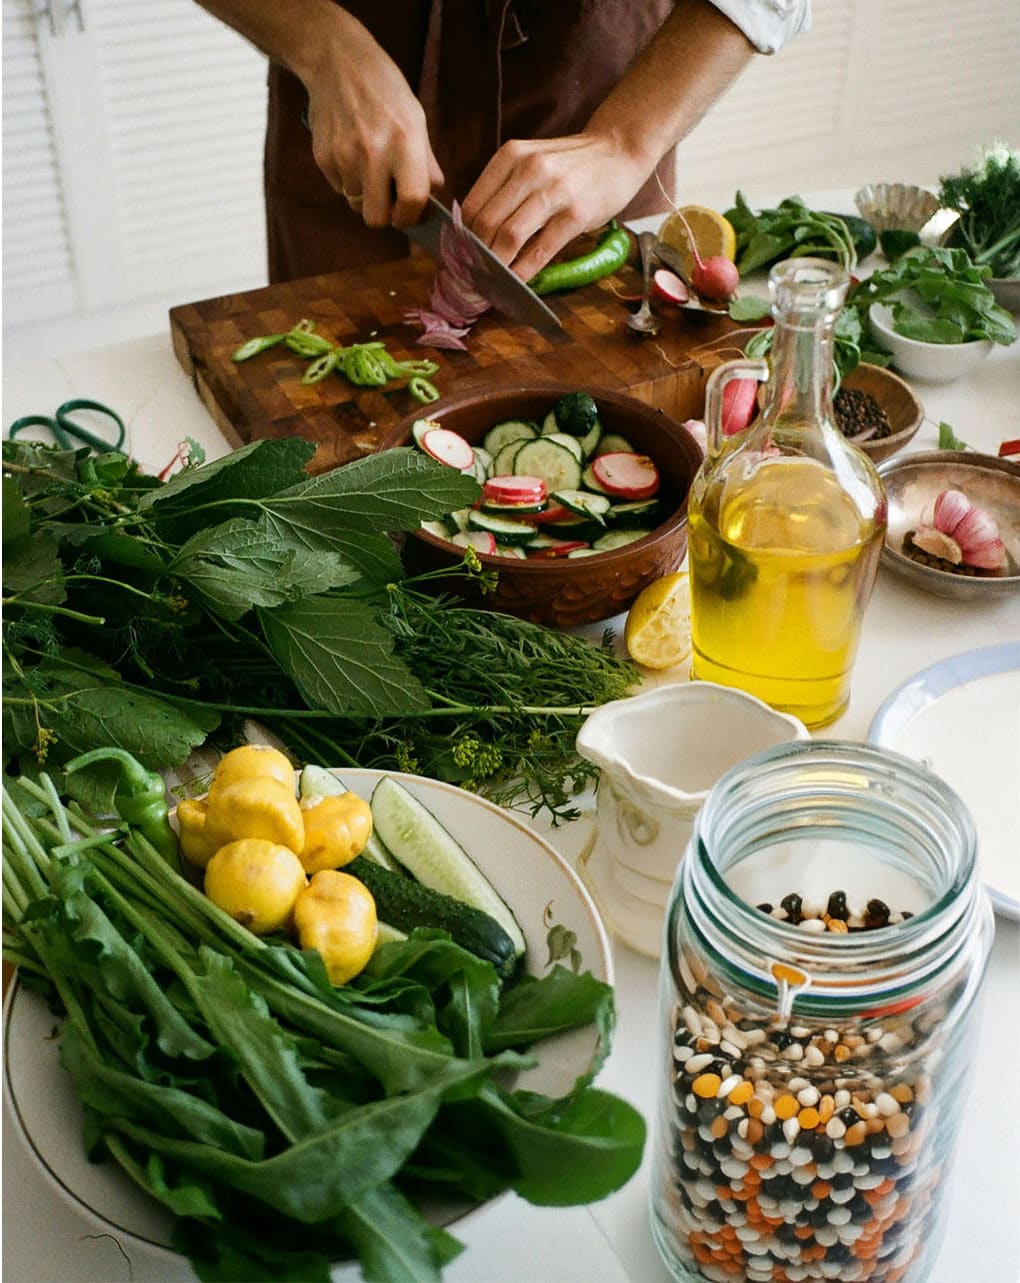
(535, 196)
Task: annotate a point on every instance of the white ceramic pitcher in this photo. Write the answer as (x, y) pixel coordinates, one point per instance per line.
(659, 753)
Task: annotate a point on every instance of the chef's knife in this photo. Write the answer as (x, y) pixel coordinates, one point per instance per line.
(490, 275)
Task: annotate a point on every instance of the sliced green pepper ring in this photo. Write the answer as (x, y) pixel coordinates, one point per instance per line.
(422, 390)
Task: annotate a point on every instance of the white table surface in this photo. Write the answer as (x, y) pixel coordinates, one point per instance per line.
(48, 1241)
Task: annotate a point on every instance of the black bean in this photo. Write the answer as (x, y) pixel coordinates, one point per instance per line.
(794, 907)
(836, 907)
(849, 1116)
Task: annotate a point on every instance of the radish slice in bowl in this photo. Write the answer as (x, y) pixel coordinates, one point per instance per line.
(448, 447)
(669, 287)
(626, 475)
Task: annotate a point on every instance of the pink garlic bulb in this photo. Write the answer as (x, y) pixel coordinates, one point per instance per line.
(960, 532)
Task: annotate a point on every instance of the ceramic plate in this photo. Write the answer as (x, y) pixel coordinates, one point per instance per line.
(539, 886)
(946, 716)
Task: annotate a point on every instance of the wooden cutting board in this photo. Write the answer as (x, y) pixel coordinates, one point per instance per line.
(264, 396)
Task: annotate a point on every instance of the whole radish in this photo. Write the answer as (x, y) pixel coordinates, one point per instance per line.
(714, 278)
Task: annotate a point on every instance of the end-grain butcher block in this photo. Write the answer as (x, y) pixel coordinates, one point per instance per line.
(264, 396)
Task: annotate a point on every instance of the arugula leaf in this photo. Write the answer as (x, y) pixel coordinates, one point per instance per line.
(340, 659)
(240, 564)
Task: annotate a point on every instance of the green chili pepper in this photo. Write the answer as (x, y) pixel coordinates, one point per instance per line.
(323, 365)
(254, 346)
(305, 344)
(140, 798)
(422, 390)
(608, 256)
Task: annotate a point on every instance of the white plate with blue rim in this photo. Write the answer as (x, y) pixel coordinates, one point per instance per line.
(949, 716)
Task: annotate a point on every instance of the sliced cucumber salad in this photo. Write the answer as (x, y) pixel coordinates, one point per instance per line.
(559, 487)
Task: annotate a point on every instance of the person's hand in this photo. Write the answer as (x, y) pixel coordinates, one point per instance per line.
(534, 197)
(369, 135)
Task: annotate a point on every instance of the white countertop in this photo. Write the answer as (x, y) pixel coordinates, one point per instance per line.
(47, 1241)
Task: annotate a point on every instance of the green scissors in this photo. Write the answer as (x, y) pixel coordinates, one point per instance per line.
(70, 435)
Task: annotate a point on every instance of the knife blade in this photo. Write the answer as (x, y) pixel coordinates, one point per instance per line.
(490, 276)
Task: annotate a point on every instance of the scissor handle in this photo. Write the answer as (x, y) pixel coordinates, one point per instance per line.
(73, 429)
(36, 421)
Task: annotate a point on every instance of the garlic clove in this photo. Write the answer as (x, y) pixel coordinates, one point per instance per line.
(960, 532)
(951, 506)
(936, 542)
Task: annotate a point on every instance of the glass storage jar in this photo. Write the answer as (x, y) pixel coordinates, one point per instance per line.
(824, 946)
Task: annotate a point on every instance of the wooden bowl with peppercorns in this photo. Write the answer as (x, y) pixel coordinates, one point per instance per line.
(877, 411)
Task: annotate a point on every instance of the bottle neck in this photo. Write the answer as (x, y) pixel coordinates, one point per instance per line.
(802, 368)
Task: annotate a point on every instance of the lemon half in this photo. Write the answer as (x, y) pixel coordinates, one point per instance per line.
(713, 234)
(657, 633)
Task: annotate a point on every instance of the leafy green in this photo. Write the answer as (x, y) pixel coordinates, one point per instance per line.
(987, 198)
(286, 1123)
(152, 614)
(937, 295)
(791, 230)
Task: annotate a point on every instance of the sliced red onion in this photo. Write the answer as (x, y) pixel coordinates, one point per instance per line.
(454, 303)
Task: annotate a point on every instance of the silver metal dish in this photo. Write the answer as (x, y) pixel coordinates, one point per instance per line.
(913, 481)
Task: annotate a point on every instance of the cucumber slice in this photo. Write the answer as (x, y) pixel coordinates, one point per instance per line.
(432, 854)
(590, 441)
(584, 503)
(590, 481)
(509, 430)
(613, 443)
(618, 538)
(510, 550)
(505, 530)
(555, 464)
(508, 509)
(317, 781)
(570, 443)
(459, 520)
(549, 424)
(438, 528)
(482, 466)
(420, 427)
(503, 460)
(636, 512)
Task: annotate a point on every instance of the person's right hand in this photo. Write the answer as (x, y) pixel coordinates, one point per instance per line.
(369, 135)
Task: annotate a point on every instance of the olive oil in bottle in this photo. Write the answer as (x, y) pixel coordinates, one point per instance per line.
(786, 522)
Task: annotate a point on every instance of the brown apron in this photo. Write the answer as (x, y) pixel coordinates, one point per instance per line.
(485, 71)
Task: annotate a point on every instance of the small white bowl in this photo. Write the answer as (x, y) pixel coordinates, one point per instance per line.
(926, 362)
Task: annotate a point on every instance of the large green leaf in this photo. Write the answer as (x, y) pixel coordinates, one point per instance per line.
(340, 659)
(240, 564)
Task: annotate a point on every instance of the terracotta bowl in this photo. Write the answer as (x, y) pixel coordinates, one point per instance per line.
(566, 593)
(903, 409)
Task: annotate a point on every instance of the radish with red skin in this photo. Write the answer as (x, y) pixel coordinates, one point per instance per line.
(448, 447)
(739, 397)
(669, 287)
(560, 549)
(514, 489)
(481, 540)
(553, 514)
(626, 475)
(716, 278)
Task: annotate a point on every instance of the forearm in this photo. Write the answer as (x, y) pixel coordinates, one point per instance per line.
(295, 33)
(695, 56)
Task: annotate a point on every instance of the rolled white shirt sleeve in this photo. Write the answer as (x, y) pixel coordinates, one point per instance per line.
(768, 24)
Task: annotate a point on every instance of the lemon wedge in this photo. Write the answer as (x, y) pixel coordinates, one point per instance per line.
(657, 633)
(712, 232)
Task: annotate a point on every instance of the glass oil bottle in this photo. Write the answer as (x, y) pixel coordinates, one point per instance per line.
(786, 521)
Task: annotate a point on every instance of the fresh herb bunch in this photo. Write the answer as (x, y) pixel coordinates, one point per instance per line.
(283, 1122)
(153, 615)
(987, 198)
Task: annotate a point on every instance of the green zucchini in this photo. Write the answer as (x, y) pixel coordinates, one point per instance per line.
(404, 904)
(431, 854)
